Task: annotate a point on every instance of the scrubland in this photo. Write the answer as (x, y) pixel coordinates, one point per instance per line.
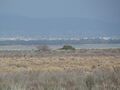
(84, 69)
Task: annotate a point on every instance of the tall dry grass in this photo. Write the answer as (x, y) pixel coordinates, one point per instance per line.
(98, 79)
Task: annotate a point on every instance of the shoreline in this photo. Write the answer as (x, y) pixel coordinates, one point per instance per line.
(55, 47)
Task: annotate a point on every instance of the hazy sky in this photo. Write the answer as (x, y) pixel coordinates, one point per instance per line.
(96, 17)
(99, 9)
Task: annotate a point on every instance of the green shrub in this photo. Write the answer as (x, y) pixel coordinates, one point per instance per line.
(67, 47)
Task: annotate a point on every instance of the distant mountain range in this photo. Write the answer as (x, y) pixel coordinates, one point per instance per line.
(84, 27)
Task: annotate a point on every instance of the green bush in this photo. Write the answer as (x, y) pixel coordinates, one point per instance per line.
(67, 47)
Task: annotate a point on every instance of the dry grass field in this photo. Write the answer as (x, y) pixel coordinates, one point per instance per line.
(84, 69)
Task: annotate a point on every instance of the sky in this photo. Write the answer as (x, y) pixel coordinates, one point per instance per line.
(101, 10)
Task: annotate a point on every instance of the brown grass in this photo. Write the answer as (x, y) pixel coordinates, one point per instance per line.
(93, 69)
(59, 60)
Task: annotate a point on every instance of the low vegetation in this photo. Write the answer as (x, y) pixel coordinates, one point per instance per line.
(68, 80)
(67, 47)
(43, 48)
(84, 69)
